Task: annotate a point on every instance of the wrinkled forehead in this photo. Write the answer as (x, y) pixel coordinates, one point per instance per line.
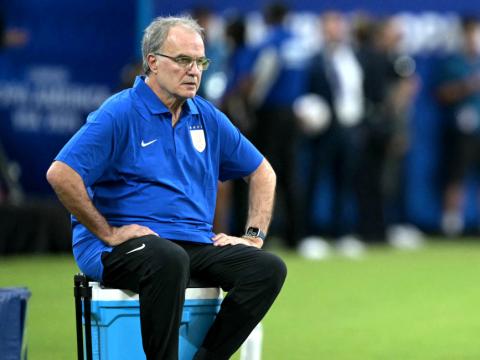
(184, 40)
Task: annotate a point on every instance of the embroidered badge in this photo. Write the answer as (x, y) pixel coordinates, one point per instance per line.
(198, 137)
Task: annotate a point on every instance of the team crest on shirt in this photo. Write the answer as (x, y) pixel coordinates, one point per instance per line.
(198, 137)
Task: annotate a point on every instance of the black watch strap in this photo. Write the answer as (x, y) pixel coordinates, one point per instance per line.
(255, 232)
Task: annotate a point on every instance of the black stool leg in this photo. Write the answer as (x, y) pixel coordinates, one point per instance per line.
(88, 325)
(83, 291)
(77, 281)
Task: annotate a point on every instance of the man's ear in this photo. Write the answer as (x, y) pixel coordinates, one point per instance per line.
(152, 63)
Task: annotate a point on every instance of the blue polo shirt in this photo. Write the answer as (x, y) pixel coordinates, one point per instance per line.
(138, 169)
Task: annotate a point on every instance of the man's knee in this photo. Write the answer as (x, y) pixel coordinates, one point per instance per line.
(277, 270)
(168, 260)
(272, 271)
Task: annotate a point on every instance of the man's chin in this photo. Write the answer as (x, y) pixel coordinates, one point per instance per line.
(189, 94)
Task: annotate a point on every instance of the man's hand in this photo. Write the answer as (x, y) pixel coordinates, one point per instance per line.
(123, 233)
(224, 239)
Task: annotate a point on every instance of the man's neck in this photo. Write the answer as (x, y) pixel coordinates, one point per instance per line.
(174, 104)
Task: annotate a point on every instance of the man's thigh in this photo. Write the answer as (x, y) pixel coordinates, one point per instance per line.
(128, 262)
(230, 265)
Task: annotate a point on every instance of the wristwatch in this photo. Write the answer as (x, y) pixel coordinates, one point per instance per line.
(255, 232)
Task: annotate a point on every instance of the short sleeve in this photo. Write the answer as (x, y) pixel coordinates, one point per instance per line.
(238, 156)
(91, 149)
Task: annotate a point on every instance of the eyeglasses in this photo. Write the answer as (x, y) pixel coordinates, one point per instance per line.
(186, 62)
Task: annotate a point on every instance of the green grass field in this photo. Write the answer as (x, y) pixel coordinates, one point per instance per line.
(391, 305)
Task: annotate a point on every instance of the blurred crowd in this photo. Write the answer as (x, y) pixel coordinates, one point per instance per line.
(333, 118)
(331, 112)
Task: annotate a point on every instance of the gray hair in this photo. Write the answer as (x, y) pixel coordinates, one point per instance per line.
(156, 33)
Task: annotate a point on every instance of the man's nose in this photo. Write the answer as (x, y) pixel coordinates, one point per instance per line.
(194, 68)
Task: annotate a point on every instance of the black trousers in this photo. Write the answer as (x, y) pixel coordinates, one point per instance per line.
(159, 271)
(277, 139)
(334, 152)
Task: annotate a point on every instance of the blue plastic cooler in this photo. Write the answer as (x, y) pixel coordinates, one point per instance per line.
(116, 322)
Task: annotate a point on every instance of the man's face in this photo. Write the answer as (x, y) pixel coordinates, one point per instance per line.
(334, 27)
(176, 80)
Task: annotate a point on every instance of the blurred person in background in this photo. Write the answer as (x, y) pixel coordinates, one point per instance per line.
(140, 179)
(278, 79)
(459, 93)
(335, 75)
(389, 86)
(212, 88)
(213, 84)
(231, 213)
(240, 62)
(10, 188)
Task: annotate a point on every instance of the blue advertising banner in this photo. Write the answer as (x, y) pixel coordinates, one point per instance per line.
(69, 64)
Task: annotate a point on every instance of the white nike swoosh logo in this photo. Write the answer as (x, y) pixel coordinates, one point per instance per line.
(141, 247)
(148, 143)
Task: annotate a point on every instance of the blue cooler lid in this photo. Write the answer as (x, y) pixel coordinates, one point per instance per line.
(101, 293)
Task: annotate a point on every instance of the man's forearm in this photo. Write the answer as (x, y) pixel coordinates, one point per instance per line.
(71, 191)
(261, 197)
